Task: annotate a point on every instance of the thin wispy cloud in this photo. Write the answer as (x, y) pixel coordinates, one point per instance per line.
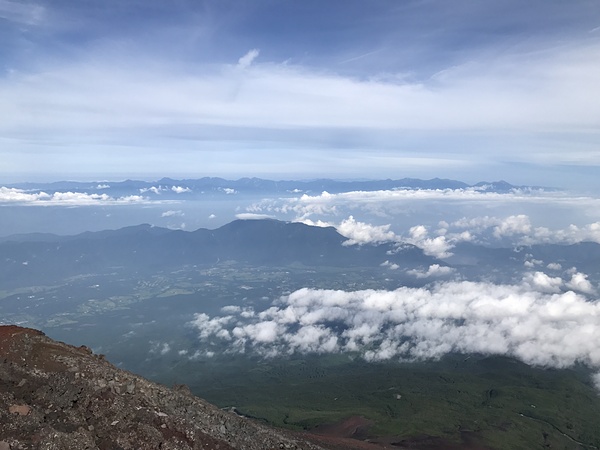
(392, 88)
(172, 213)
(123, 104)
(504, 94)
(21, 12)
(248, 58)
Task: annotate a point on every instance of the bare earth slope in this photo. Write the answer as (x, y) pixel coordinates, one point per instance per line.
(55, 396)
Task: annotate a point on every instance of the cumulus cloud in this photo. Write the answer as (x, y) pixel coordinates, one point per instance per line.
(180, 189)
(542, 282)
(573, 234)
(358, 232)
(512, 225)
(390, 265)
(438, 246)
(532, 321)
(21, 196)
(154, 189)
(522, 231)
(579, 282)
(434, 270)
(362, 233)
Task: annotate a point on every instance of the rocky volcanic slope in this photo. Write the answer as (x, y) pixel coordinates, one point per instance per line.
(55, 396)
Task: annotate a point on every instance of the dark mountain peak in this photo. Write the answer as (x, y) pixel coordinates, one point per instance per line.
(57, 396)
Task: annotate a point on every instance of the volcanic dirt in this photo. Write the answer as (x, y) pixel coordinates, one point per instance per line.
(57, 397)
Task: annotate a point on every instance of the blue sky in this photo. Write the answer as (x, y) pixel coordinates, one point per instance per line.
(301, 89)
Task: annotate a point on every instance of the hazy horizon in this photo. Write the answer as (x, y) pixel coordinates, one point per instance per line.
(463, 90)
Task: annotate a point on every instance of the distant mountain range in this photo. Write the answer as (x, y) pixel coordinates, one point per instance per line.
(143, 248)
(169, 186)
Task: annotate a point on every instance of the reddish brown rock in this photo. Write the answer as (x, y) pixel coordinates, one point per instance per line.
(22, 410)
(58, 397)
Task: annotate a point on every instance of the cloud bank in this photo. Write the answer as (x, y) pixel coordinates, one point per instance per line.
(536, 322)
(439, 239)
(385, 202)
(40, 198)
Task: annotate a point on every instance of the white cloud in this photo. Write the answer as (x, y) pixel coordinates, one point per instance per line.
(572, 234)
(438, 247)
(391, 266)
(245, 61)
(386, 203)
(115, 97)
(172, 213)
(180, 189)
(20, 196)
(539, 281)
(364, 233)
(229, 191)
(434, 270)
(579, 282)
(154, 189)
(517, 229)
(212, 216)
(531, 321)
(520, 228)
(512, 225)
(263, 93)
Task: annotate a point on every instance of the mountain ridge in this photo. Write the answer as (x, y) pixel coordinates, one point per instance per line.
(59, 397)
(169, 186)
(145, 248)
